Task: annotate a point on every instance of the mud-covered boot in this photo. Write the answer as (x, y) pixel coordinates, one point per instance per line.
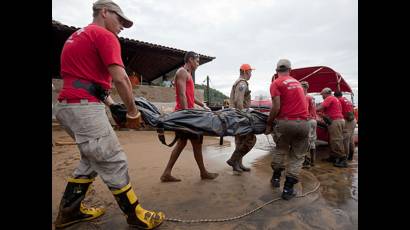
(330, 159)
(71, 208)
(351, 153)
(288, 192)
(246, 169)
(234, 161)
(340, 162)
(136, 215)
(275, 180)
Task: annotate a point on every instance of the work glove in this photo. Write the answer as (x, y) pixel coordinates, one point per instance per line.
(268, 129)
(133, 122)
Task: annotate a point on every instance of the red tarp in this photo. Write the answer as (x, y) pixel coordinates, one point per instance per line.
(320, 77)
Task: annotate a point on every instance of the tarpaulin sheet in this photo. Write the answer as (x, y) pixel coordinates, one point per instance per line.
(225, 122)
(320, 77)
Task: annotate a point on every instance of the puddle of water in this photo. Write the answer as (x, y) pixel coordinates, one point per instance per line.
(339, 186)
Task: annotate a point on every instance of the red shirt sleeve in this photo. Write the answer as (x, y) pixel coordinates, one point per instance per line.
(109, 49)
(326, 102)
(274, 90)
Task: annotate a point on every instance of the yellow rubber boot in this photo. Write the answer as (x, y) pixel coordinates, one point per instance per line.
(136, 215)
(72, 210)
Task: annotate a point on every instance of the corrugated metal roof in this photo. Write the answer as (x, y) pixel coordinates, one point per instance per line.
(148, 59)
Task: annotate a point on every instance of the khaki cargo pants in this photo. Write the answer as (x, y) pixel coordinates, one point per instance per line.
(312, 133)
(348, 132)
(336, 138)
(292, 138)
(100, 150)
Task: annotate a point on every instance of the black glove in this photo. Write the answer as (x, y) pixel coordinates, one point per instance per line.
(119, 114)
(327, 120)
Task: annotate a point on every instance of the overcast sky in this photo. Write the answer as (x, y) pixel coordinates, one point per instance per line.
(258, 32)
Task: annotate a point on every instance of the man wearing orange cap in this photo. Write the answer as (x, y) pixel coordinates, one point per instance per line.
(240, 98)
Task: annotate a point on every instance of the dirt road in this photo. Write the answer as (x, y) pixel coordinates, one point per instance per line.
(333, 206)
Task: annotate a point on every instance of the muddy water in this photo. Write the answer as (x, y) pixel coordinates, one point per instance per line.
(339, 186)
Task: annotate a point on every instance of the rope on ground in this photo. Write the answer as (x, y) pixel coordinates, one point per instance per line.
(59, 143)
(240, 216)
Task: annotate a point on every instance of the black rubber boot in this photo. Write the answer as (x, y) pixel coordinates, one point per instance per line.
(275, 180)
(306, 163)
(288, 192)
(312, 157)
(71, 208)
(246, 169)
(340, 162)
(351, 153)
(234, 161)
(136, 215)
(330, 159)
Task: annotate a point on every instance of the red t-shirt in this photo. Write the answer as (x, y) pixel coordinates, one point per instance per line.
(86, 55)
(189, 92)
(332, 107)
(292, 98)
(347, 106)
(311, 107)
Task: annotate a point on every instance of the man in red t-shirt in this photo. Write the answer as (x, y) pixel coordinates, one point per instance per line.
(350, 124)
(185, 99)
(90, 60)
(310, 161)
(290, 111)
(333, 112)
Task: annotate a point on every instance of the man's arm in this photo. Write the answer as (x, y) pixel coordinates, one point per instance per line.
(272, 114)
(323, 105)
(180, 81)
(198, 102)
(123, 85)
(339, 78)
(109, 101)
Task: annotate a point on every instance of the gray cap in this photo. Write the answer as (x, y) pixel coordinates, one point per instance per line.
(283, 64)
(326, 90)
(304, 84)
(110, 5)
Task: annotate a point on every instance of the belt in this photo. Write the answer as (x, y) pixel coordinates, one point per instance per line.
(293, 119)
(78, 101)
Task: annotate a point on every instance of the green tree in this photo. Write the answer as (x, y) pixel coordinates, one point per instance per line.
(216, 97)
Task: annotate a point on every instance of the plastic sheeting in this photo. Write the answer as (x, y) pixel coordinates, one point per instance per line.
(225, 122)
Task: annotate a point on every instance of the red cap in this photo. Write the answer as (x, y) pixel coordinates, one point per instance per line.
(245, 67)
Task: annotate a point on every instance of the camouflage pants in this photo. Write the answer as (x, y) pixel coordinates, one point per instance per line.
(243, 144)
(100, 150)
(336, 138)
(292, 142)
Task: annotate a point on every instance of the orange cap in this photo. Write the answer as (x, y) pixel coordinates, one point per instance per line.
(245, 67)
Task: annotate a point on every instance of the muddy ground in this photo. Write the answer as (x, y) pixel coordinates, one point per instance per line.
(333, 206)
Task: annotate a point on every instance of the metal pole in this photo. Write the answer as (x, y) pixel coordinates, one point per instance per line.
(221, 139)
(207, 89)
